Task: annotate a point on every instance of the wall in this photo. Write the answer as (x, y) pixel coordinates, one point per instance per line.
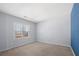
(7, 37)
(55, 30)
(75, 29)
(3, 43)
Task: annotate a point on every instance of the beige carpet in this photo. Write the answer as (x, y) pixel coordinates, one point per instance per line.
(38, 49)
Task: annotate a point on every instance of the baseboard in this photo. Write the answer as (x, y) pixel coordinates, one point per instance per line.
(61, 45)
(55, 43)
(6, 49)
(3, 50)
(72, 51)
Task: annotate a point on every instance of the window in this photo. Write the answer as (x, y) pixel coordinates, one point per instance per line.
(21, 30)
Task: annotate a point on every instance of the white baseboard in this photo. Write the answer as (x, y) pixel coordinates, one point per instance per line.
(8, 48)
(72, 51)
(55, 43)
(45, 42)
(62, 45)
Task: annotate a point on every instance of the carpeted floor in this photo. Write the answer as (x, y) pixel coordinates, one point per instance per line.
(38, 49)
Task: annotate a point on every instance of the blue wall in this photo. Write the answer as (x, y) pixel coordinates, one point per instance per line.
(75, 28)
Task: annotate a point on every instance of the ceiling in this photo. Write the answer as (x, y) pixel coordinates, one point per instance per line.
(36, 12)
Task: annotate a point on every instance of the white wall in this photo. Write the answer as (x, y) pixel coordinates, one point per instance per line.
(55, 30)
(3, 43)
(7, 37)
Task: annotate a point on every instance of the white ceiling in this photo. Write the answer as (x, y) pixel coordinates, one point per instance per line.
(36, 11)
